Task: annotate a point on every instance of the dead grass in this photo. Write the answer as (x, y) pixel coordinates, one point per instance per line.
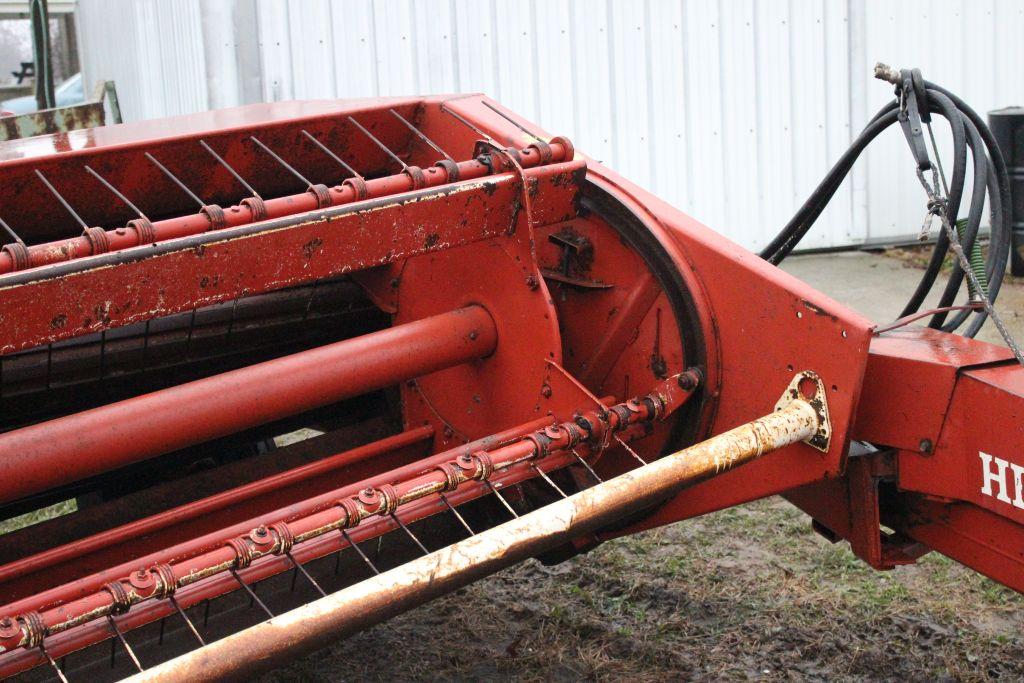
(749, 592)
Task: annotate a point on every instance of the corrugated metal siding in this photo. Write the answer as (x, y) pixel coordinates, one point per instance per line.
(732, 110)
(153, 49)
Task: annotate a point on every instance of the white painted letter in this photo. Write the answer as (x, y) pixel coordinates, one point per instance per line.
(988, 476)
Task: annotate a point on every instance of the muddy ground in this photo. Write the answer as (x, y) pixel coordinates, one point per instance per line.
(747, 593)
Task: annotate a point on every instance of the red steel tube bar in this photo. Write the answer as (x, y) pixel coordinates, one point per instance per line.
(71, 448)
(348, 511)
(87, 585)
(247, 212)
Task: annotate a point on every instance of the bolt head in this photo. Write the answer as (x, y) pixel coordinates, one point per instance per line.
(9, 629)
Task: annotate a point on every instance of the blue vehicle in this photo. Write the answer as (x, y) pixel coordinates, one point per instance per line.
(66, 94)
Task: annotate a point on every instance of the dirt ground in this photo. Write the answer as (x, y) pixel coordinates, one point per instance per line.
(746, 593)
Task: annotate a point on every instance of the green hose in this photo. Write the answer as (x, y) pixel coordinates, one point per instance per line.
(977, 262)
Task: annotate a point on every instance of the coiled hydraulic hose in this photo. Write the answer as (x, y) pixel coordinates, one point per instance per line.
(915, 101)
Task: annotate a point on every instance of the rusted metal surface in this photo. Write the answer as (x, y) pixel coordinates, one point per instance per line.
(360, 505)
(89, 114)
(348, 611)
(573, 289)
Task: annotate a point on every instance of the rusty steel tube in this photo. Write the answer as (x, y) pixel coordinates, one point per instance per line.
(85, 444)
(244, 654)
(242, 214)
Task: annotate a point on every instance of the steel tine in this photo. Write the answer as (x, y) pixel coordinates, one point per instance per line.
(117, 193)
(466, 123)
(49, 364)
(281, 161)
(631, 451)
(514, 123)
(127, 647)
(231, 322)
(252, 594)
(309, 302)
(548, 479)
(191, 328)
(60, 674)
(175, 180)
(332, 155)
(458, 516)
(295, 578)
(103, 353)
(378, 143)
(61, 199)
(501, 498)
(418, 133)
(145, 344)
(232, 171)
(163, 627)
(410, 534)
(355, 546)
(188, 622)
(587, 465)
(302, 569)
(206, 613)
(10, 231)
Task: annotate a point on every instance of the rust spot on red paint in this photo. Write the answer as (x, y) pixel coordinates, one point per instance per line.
(59, 321)
(310, 247)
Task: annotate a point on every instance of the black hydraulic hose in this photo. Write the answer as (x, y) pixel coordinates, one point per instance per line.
(956, 277)
(956, 188)
(804, 219)
(990, 179)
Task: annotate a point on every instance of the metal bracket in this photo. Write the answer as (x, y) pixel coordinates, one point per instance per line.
(808, 387)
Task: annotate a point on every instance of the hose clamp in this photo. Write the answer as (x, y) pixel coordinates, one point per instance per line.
(19, 255)
(451, 475)
(243, 552)
(321, 194)
(143, 229)
(351, 510)
(544, 150)
(120, 602)
(358, 186)
(285, 537)
(166, 582)
(449, 167)
(215, 215)
(257, 207)
(34, 628)
(416, 175)
(98, 240)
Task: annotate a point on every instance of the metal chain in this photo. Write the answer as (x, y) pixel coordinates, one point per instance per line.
(937, 207)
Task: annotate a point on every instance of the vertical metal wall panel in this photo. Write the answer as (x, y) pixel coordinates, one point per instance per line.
(732, 110)
(355, 51)
(152, 50)
(972, 48)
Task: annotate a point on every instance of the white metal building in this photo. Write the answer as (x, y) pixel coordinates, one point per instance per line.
(730, 109)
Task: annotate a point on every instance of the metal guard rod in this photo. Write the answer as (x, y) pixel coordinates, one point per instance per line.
(71, 448)
(353, 609)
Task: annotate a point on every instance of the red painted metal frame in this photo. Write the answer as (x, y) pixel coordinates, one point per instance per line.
(934, 404)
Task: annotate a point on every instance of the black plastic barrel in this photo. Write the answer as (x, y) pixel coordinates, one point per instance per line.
(1008, 127)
